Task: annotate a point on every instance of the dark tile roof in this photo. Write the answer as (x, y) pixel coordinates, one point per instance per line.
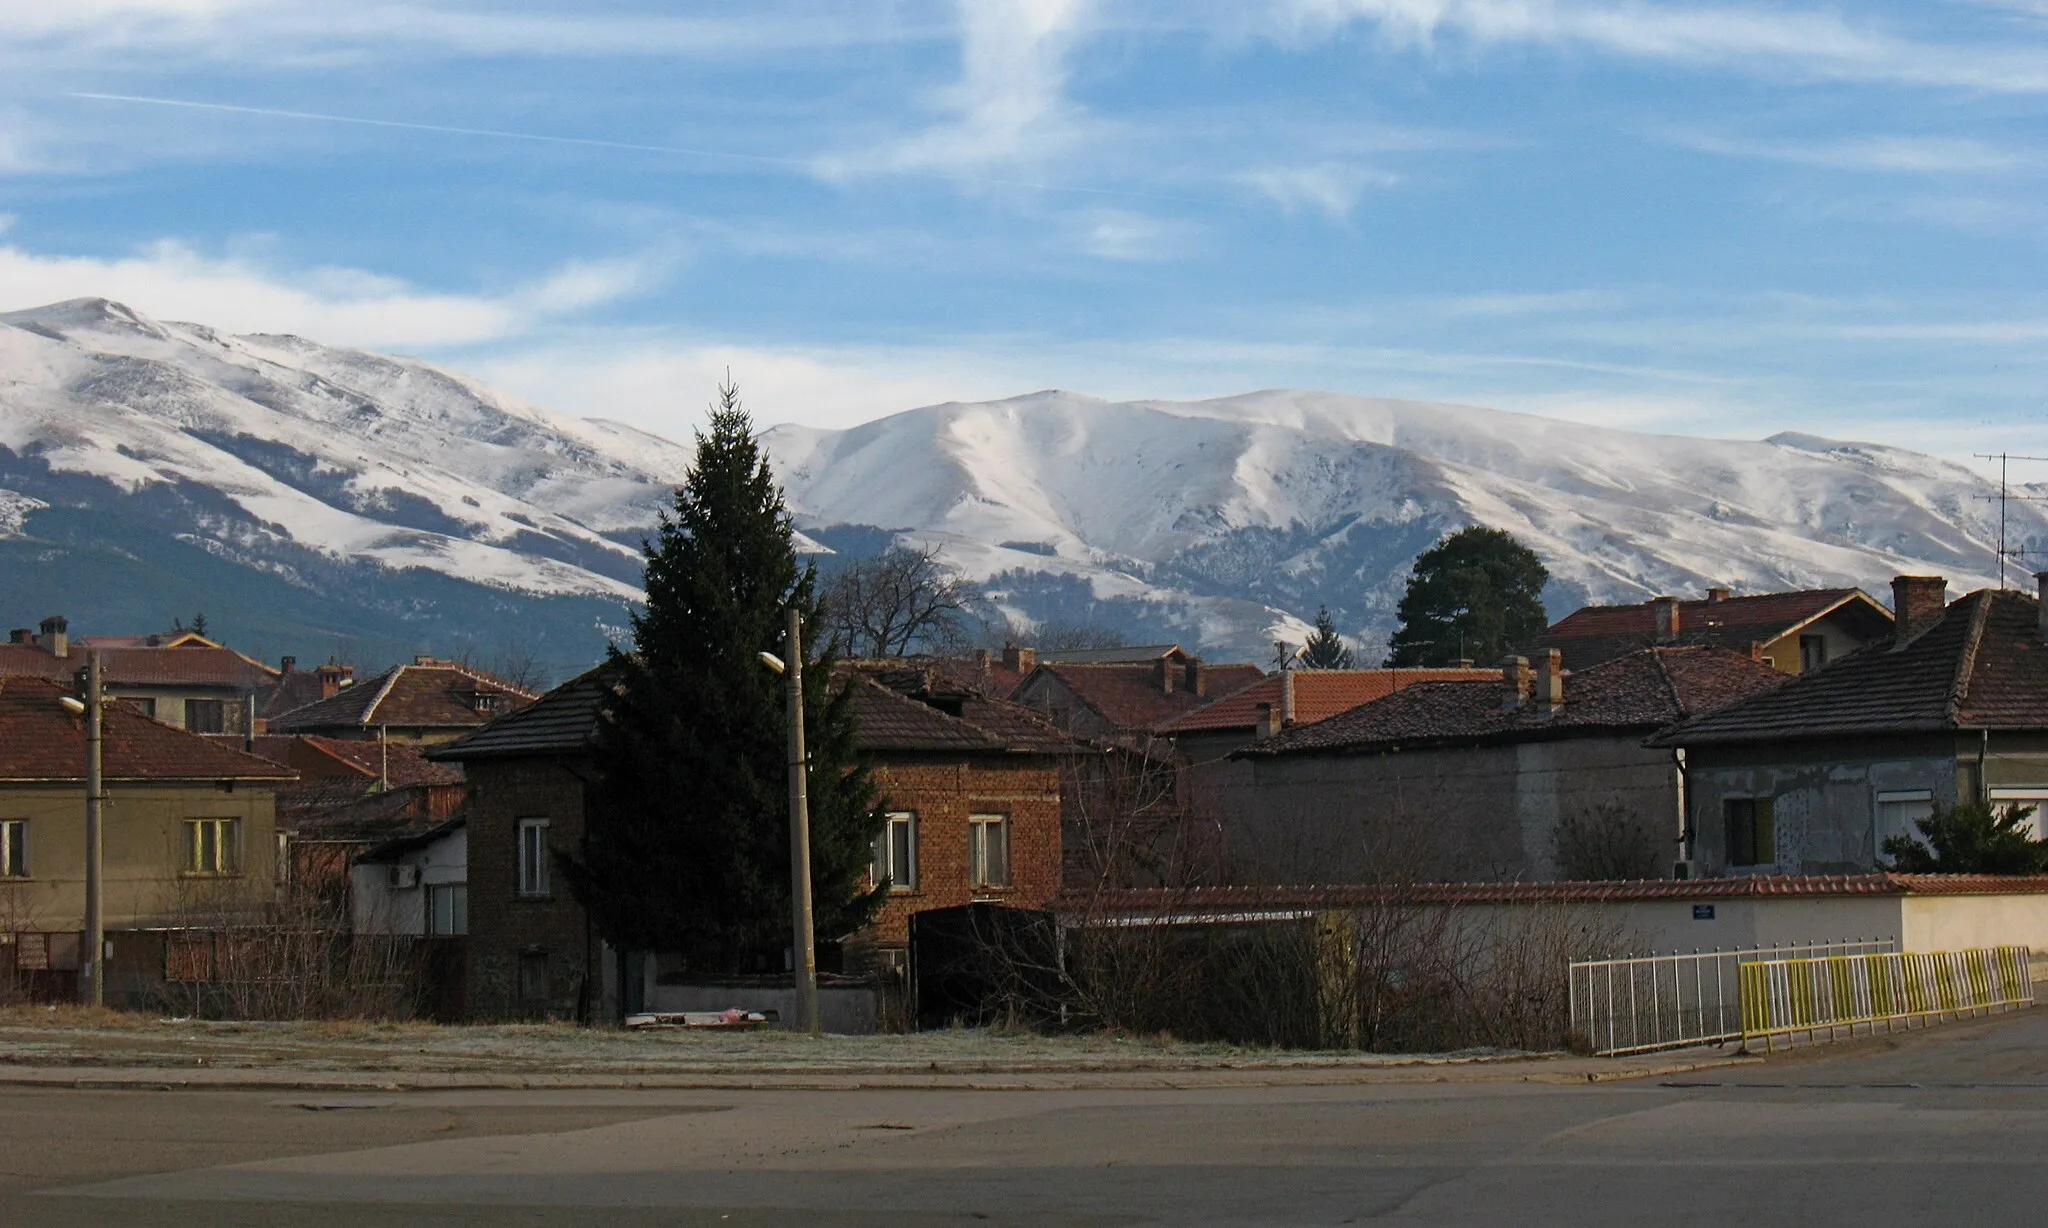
(1599, 633)
(393, 849)
(1216, 903)
(561, 722)
(1130, 697)
(40, 740)
(437, 695)
(1981, 665)
(889, 721)
(1318, 695)
(293, 689)
(344, 811)
(1638, 693)
(1127, 654)
(187, 665)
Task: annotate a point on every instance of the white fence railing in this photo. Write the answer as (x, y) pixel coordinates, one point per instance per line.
(1669, 1001)
(1836, 993)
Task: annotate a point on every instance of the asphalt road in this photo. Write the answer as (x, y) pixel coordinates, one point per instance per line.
(1945, 1127)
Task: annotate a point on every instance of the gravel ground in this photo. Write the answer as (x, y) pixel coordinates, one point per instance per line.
(54, 1037)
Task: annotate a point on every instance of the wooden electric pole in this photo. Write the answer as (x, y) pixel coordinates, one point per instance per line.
(805, 946)
(92, 961)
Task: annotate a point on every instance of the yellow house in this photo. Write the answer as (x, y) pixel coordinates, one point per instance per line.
(190, 823)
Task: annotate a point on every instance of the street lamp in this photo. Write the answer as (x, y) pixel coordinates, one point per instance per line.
(790, 666)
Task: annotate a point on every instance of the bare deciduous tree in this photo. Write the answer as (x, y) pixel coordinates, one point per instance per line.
(1608, 841)
(895, 603)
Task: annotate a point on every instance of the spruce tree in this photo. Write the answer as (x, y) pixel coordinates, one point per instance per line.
(687, 844)
(1476, 594)
(1325, 649)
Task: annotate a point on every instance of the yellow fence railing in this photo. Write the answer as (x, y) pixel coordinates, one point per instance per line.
(1785, 997)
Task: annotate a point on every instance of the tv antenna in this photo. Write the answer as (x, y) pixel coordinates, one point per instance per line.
(2004, 497)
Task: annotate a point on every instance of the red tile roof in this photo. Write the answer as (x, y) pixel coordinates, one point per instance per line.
(440, 695)
(1603, 632)
(1130, 697)
(400, 763)
(1981, 665)
(1318, 695)
(188, 665)
(1641, 692)
(41, 741)
(1215, 903)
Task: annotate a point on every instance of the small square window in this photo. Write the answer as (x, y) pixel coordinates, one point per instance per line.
(447, 909)
(205, 716)
(213, 846)
(988, 850)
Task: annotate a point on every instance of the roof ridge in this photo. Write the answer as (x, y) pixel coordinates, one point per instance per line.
(384, 692)
(1670, 683)
(1966, 661)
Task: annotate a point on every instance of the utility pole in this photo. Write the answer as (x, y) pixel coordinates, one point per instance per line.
(2004, 496)
(805, 945)
(94, 991)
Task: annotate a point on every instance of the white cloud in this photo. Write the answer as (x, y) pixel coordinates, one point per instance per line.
(1815, 44)
(1118, 234)
(1009, 104)
(1916, 155)
(1332, 188)
(170, 280)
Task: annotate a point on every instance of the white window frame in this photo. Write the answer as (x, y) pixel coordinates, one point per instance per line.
(978, 828)
(14, 850)
(902, 879)
(458, 909)
(533, 866)
(2025, 795)
(216, 835)
(1882, 831)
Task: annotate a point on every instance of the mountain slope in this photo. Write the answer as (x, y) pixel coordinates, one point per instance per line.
(304, 495)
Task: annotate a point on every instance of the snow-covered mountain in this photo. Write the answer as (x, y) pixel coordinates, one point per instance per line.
(297, 492)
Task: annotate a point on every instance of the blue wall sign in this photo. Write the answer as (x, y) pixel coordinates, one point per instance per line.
(1703, 912)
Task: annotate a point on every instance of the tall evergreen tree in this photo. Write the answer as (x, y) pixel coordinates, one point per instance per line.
(1325, 649)
(687, 845)
(1477, 593)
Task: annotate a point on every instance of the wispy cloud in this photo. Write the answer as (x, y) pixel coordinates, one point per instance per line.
(171, 280)
(1811, 43)
(1912, 155)
(1330, 188)
(1119, 234)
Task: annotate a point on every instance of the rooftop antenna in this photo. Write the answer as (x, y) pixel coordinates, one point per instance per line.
(2004, 497)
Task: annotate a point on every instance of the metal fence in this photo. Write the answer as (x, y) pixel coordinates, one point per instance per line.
(1786, 997)
(1668, 1001)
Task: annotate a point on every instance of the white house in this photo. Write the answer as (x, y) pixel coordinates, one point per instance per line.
(415, 884)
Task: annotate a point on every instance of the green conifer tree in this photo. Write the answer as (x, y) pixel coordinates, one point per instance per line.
(1325, 649)
(687, 846)
(1476, 594)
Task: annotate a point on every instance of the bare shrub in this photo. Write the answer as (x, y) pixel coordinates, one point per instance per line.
(1609, 841)
(294, 958)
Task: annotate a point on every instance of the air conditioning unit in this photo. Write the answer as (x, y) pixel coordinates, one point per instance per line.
(403, 877)
(1685, 869)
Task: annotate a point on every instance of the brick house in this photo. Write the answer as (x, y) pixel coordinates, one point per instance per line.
(1813, 778)
(1471, 780)
(1794, 632)
(1123, 699)
(972, 786)
(427, 701)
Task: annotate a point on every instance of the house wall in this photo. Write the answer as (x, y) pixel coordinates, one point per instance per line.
(379, 908)
(1046, 693)
(1481, 813)
(943, 793)
(550, 933)
(144, 854)
(1783, 652)
(167, 703)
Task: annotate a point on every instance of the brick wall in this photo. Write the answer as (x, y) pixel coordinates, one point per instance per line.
(548, 936)
(942, 793)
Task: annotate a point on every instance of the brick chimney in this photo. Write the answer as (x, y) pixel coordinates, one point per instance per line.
(333, 678)
(1916, 602)
(1286, 698)
(1515, 681)
(286, 665)
(983, 678)
(1019, 660)
(21, 635)
(56, 635)
(1664, 610)
(1162, 673)
(1196, 681)
(1717, 594)
(1549, 680)
(1263, 726)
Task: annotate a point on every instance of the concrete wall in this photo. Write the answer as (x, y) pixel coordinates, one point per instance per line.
(379, 908)
(1480, 813)
(145, 879)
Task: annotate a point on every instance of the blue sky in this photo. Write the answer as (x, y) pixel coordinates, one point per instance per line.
(1713, 218)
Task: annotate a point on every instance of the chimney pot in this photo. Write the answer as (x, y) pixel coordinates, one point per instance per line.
(1162, 673)
(21, 635)
(1717, 594)
(55, 635)
(1916, 602)
(1263, 726)
(1549, 680)
(285, 665)
(1514, 672)
(1019, 660)
(1287, 699)
(1197, 683)
(1665, 610)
